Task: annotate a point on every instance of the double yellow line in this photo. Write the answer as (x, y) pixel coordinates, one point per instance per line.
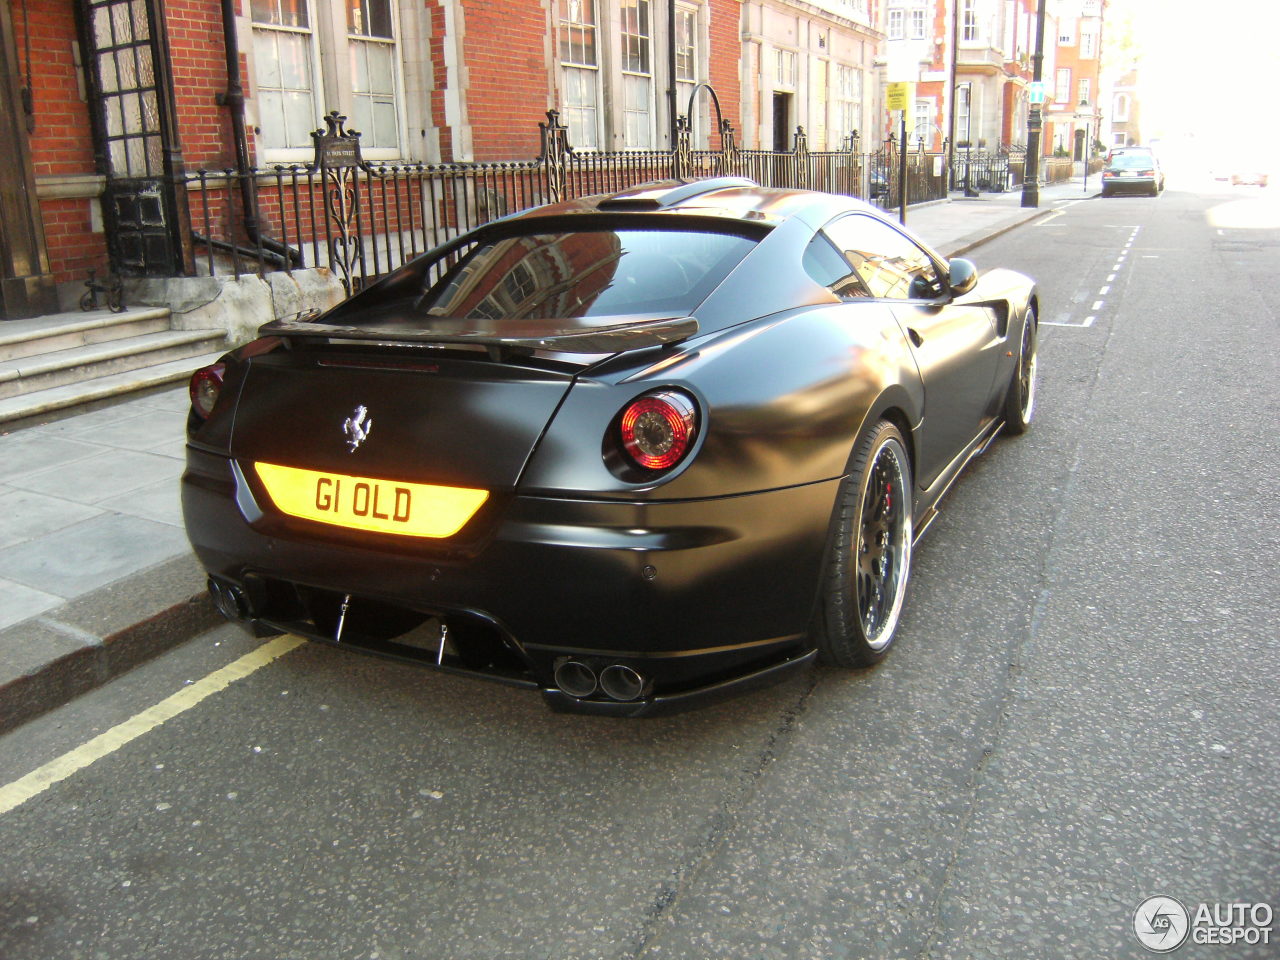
(41, 779)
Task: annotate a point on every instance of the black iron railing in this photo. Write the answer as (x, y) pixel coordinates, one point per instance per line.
(363, 219)
(979, 171)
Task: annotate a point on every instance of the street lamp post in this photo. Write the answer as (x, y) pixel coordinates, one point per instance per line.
(1035, 121)
(969, 192)
(1085, 112)
(1087, 151)
(950, 139)
(902, 170)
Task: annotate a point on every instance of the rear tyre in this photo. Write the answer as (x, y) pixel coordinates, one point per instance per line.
(869, 557)
(1020, 400)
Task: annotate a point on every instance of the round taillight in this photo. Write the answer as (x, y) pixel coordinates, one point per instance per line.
(658, 429)
(206, 384)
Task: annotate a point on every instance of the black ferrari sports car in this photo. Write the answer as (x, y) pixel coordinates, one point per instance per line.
(636, 451)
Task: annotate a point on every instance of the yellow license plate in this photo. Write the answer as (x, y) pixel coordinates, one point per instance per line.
(368, 503)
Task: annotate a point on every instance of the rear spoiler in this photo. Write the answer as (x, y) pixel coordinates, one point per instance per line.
(609, 339)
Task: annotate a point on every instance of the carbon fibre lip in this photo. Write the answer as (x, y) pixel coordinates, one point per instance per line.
(674, 703)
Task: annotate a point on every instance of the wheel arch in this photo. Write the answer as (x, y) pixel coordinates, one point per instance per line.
(893, 404)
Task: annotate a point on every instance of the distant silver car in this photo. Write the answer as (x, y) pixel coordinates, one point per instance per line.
(1132, 170)
(1248, 177)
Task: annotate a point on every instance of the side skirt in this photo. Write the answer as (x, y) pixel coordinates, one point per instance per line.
(928, 503)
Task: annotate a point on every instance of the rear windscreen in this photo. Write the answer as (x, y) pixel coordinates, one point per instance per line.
(581, 275)
(1131, 161)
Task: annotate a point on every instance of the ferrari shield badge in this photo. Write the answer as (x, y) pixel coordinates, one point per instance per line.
(356, 427)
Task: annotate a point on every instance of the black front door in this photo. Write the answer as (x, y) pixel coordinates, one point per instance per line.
(127, 60)
(781, 123)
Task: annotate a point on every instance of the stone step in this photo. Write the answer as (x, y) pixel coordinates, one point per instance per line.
(102, 389)
(96, 360)
(92, 361)
(64, 331)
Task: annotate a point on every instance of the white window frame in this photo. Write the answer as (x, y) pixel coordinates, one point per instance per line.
(969, 22)
(302, 150)
(1067, 32)
(1062, 86)
(602, 72)
(1088, 43)
(637, 78)
(786, 70)
(922, 123)
(848, 98)
(1085, 88)
(919, 23)
(687, 79)
(896, 26)
(329, 46)
(354, 43)
(584, 118)
(1120, 109)
(690, 73)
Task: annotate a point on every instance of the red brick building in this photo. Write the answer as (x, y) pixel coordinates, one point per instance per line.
(992, 42)
(1074, 108)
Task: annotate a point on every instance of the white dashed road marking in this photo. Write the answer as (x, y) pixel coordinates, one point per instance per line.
(1105, 290)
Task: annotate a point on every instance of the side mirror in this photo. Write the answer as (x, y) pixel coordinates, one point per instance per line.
(963, 276)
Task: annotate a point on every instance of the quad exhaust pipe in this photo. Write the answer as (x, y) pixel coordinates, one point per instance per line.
(230, 600)
(616, 681)
(575, 678)
(621, 683)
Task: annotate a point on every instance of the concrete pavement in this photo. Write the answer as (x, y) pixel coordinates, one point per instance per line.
(95, 571)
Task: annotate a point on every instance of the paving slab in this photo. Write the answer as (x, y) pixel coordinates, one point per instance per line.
(91, 554)
(108, 473)
(145, 429)
(25, 454)
(27, 515)
(156, 501)
(19, 602)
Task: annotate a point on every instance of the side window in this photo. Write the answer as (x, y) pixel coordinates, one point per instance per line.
(824, 264)
(889, 264)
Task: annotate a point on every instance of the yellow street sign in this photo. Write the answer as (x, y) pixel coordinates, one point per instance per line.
(898, 96)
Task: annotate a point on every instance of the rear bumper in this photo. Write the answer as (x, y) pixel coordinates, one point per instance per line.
(1129, 185)
(704, 598)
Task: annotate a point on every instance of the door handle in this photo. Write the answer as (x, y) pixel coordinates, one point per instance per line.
(915, 336)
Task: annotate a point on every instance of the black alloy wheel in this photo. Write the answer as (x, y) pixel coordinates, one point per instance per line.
(869, 558)
(1020, 400)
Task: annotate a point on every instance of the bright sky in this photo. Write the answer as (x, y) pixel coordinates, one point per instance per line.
(1210, 68)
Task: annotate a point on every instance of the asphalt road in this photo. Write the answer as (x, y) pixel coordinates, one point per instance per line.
(1080, 711)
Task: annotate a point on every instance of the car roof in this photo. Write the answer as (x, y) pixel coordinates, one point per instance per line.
(728, 198)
